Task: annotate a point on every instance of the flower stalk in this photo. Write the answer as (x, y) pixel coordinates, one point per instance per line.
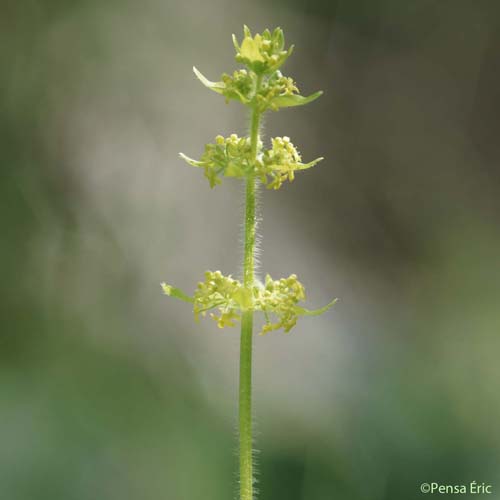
(261, 87)
(245, 389)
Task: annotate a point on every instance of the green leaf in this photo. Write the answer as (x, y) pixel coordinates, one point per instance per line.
(304, 166)
(215, 86)
(192, 162)
(171, 291)
(302, 311)
(244, 298)
(288, 101)
(235, 43)
(234, 170)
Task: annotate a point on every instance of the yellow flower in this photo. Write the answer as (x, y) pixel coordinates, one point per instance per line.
(227, 157)
(277, 299)
(262, 53)
(281, 162)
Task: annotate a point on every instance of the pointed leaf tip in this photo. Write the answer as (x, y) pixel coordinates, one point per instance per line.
(288, 101)
(305, 166)
(315, 312)
(171, 291)
(215, 86)
(235, 43)
(192, 162)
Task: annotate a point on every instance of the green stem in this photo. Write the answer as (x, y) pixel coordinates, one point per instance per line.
(245, 400)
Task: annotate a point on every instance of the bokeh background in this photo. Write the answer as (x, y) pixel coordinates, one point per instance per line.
(108, 390)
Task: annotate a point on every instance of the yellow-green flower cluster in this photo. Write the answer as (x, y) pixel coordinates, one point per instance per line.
(262, 53)
(277, 299)
(227, 157)
(238, 86)
(280, 298)
(231, 157)
(218, 292)
(261, 86)
(281, 162)
(276, 86)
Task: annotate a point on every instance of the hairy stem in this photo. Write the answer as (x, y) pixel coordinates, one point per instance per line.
(245, 400)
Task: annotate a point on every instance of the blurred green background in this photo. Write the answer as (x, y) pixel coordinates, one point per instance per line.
(108, 390)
